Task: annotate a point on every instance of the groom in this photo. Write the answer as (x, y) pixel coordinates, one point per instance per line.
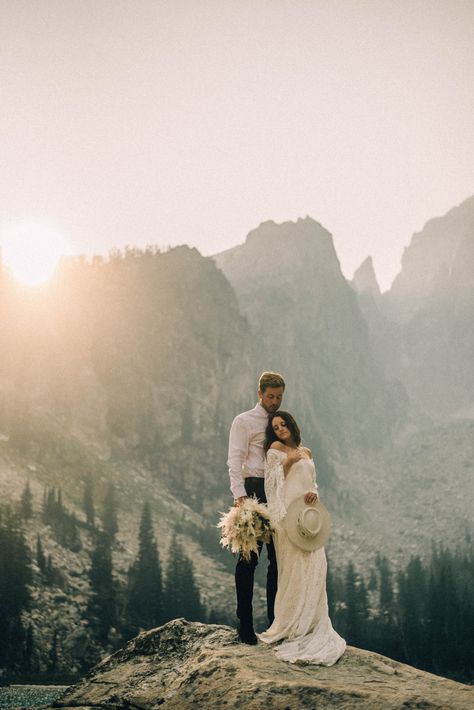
(246, 462)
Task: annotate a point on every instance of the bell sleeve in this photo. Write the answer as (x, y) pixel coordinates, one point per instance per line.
(274, 480)
(314, 487)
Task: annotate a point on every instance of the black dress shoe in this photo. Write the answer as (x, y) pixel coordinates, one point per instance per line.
(246, 634)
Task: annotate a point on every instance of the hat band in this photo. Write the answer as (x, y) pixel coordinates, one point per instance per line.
(302, 529)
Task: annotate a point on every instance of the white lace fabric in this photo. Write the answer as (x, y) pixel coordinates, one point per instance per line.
(274, 480)
(302, 620)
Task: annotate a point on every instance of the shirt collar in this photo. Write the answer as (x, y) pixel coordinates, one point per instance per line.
(261, 410)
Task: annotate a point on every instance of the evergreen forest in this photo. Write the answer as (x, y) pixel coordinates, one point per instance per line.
(117, 608)
(422, 614)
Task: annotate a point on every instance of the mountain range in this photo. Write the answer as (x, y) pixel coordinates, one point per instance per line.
(130, 369)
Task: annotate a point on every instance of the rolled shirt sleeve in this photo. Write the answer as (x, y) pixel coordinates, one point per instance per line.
(238, 451)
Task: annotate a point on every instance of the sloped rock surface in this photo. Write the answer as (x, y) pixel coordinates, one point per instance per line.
(183, 665)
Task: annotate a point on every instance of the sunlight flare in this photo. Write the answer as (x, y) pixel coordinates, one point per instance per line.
(32, 251)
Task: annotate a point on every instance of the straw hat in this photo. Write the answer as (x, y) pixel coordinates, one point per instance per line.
(307, 525)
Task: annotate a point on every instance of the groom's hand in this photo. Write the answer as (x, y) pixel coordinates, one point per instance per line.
(238, 501)
(310, 497)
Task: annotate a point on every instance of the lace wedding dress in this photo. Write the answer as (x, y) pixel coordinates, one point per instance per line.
(302, 621)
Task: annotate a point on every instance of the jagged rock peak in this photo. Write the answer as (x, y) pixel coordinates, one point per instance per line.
(192, 665)
(365, 280)
(303, 244)
(303, 227)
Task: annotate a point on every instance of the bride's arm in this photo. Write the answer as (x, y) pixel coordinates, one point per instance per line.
(274, 480)
(312, 495)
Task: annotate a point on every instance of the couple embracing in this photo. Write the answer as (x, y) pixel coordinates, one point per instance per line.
(267, 460)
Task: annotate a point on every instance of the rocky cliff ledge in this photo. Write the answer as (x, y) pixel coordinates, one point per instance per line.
(183, 665)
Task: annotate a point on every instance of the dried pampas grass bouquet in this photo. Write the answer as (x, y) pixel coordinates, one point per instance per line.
(244, 526)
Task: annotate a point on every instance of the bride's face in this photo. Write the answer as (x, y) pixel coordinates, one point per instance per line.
(281, 430)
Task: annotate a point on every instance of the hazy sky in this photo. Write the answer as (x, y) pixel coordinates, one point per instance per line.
(192, 121)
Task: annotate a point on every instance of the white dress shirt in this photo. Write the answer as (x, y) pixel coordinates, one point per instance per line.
(246, 457)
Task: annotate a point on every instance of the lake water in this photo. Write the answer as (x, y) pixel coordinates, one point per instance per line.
(29, 696)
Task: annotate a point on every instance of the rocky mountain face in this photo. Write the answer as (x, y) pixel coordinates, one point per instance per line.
(128, 371)
(185, 665)
(422, 328)
(384, 333)
(307, 323)
(145, 358)
(436, 266)
(340, 350)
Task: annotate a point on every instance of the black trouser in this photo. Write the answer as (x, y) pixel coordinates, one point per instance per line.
(245, 570)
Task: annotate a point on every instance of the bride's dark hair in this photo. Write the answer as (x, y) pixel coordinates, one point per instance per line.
(289, 420)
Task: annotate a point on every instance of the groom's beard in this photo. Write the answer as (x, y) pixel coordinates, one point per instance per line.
(271, 408)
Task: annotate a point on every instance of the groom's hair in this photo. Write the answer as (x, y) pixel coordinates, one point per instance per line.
(270, 379)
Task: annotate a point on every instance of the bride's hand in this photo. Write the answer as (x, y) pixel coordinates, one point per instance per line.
(310, 497)
(294, 456)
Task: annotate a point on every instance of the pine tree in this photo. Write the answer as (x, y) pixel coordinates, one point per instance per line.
(109, 513)
(193, 610)
(386, 595)
(181, 596)
(387, 639)
(88, 502)
(26, 502)
(51, 510)
(15, 576)
(373, 583)
(70, 532)
(145, 603)
(40, 557)
(102, 602)
(335, 588)
(63, 524)
(53, 656)
(356, 607)
(49, 572)
(363, 609)
(412, 610)
(428, 622)
(29, 650)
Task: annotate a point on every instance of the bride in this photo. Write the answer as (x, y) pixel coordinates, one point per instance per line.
(302, 621)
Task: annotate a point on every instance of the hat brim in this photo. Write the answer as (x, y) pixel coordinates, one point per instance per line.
(290, 523)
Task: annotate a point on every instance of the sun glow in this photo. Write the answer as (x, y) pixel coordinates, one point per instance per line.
(31, 251)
